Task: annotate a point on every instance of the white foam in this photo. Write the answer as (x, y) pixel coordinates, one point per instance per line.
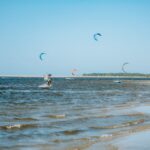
(13, 126)
(106, 135)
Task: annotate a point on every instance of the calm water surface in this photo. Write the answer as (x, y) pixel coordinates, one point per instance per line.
(73, 111)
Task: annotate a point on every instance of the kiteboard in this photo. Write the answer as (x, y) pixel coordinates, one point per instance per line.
(45, 86)
(117, 81)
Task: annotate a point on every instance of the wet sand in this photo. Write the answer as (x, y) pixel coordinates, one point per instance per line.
(134, 138)
(137, 141)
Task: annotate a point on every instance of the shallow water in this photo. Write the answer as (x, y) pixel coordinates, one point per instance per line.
(73, 111)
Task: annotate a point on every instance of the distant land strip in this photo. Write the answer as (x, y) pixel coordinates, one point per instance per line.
(117, 74)
(88, 75)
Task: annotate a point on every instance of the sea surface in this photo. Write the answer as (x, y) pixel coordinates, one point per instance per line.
(72, 114)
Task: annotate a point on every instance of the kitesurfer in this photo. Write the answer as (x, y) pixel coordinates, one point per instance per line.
(49, 80)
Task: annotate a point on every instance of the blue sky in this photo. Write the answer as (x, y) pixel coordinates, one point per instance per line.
(64, 30)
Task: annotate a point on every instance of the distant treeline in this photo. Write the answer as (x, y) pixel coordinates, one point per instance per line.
(116, 74)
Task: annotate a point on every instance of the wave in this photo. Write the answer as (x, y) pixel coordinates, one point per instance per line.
(57, 116)
(72, 132)
(125, 124)
(18, 126)
(25, 119)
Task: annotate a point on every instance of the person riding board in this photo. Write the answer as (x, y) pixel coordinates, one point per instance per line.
(49, 80)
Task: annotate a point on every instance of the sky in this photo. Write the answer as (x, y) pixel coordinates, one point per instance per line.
(64, 30)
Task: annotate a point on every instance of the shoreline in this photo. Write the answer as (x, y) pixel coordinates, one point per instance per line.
(136, 137)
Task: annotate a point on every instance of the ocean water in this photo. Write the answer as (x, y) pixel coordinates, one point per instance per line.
(72, 113)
